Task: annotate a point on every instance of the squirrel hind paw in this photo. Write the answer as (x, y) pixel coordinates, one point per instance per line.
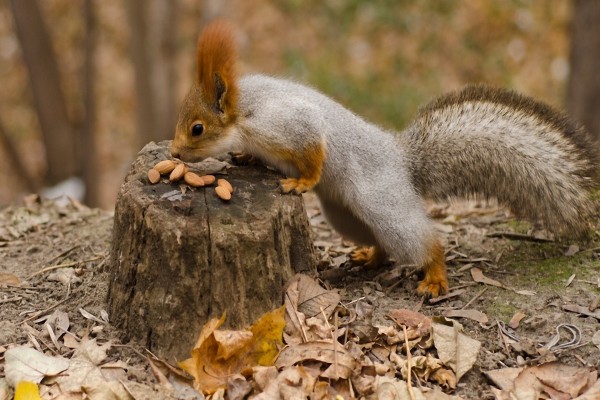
(433, 286)
(369, 257)
(297, 186)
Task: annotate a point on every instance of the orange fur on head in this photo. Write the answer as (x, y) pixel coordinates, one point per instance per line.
(216, 66)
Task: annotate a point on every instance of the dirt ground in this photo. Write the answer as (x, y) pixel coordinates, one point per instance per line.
(59, 254)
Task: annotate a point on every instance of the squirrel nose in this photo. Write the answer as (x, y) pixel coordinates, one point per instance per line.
(174, 153)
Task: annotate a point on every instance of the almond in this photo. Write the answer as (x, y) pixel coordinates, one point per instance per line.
(208, 179)
(223, 193)
(165, 166)
(225, 184)
(193, 179)
(178, 172)
(153, 176)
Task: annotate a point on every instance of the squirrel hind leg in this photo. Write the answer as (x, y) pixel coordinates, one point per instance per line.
(436, 280)
(370, 257)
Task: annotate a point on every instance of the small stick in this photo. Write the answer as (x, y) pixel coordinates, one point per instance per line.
(65, 265)
(474, 298)
(408, 365)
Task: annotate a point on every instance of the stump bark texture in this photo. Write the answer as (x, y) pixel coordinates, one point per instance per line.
(178, 260)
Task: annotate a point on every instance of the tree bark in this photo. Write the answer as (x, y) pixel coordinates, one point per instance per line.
(153, 26)
(88, 153)
(178, 261)
(583, 93)
(48, 97)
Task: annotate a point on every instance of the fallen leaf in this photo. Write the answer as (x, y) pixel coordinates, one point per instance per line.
(419, 323)
(342, 362)
(596, 339)
(387, 388)
(478, 277)
(313, 300)
(572, 250)
(581, 310)
(238, 387)
(516, 319)
(304, 298)
(66, 276)
(84, 367)
(474, 315)
(26, 364)
(559, 381)
(291, 383)
(113, 390)
(454, 348)
(208, 365)
(9, 279)
(90, 316)
(27, 391)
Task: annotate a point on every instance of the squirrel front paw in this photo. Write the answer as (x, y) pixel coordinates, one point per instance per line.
(241, 158)
(297, 186)
(370, 257)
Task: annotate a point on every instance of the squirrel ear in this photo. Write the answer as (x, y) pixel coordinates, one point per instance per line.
(216, 67)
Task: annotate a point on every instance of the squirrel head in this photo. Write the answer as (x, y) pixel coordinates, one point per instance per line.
(208, 112)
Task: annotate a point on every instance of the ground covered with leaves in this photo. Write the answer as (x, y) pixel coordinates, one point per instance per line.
(521, 319)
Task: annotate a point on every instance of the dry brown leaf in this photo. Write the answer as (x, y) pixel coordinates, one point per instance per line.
(304, 298)
(555, 379)
(291, 383)
(84, 367)
(208, 364)
(474, 315)
(342, 361)
(313, 300)
(9, 279)
(454, 348)
(417, 324)
(478, 277)
(596, 339)
(516, 319)
(581, 310)
(238, 387)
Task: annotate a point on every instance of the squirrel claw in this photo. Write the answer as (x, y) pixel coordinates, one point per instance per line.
(432, 287)
(297, 186)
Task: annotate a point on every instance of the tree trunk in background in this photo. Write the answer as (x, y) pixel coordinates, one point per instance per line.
(88, 153)
(583, 93)
(153, 25)
(48, 97)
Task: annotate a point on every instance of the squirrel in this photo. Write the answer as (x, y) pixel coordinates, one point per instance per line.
(479, 141)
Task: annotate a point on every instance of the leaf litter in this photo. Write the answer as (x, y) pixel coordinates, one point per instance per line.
(378, 349)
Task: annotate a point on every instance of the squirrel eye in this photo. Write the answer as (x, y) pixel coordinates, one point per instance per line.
(197, 129)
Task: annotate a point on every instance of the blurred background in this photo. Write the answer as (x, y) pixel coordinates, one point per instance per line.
(86, 83)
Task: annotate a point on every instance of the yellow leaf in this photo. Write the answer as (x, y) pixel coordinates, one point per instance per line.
(27, 391)
(221, 354)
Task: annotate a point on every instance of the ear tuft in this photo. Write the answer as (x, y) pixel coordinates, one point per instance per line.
(216, 66)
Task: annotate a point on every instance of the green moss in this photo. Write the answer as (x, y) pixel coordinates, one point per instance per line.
(500, 310)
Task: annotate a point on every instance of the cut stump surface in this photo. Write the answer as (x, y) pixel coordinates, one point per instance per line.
(179, 259)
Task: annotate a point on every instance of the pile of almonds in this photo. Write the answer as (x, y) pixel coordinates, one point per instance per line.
(178, 171)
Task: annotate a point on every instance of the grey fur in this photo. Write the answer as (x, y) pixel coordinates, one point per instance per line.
(373, 181)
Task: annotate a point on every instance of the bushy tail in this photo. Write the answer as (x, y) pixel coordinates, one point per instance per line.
(495, 143)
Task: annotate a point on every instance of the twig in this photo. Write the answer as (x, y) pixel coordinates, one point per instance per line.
(304, 337)
(65, 265)
(37, 314)
(474, 298)
(519, 236)
(408, 365)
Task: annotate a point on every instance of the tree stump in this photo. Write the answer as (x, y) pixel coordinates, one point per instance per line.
(178, 260)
